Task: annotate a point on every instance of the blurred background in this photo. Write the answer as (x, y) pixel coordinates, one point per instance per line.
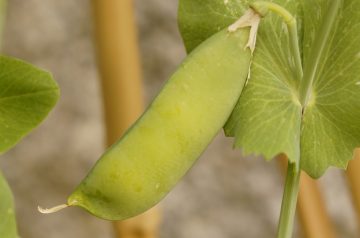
(223, 196)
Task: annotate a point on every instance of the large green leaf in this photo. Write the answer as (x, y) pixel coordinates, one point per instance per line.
(267, 119)
(199, 19)
(27, 94)
(7, 213)
(331, 122)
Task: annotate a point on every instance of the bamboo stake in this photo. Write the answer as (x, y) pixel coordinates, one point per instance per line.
(3, 5)
(314, 219)
(353, 175)
(119, 65)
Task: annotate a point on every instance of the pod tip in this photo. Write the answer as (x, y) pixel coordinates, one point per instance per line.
(53, 209)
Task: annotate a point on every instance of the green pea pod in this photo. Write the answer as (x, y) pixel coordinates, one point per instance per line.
(145, 164)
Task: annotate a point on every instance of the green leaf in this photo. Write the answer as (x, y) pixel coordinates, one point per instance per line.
(331, 125)
(27, 94)
(7, 213)
(268, 118)
(199, 19)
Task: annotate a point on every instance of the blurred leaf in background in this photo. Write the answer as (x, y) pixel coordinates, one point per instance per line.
(7, 213)
(27, 94)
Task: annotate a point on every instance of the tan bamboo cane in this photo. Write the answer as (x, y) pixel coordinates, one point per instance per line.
(314, 219)
(311, 210)
(120, 71)
(353, 175)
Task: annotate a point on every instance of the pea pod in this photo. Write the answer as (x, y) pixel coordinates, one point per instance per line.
(146, 163)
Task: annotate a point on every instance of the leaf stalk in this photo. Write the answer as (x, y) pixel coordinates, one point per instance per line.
(291, 190)
(288, 206)
(263, 8)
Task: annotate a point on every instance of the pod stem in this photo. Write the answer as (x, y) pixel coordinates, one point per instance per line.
(263, 8)
(250, 19)
(288, 206)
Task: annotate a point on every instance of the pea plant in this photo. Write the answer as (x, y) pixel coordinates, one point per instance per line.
(27, 94)
(281, 77)
(302, 97)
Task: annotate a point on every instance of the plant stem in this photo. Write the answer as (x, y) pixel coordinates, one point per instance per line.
(291, 190)
(263, 8)
(318, 48)
(288, 206)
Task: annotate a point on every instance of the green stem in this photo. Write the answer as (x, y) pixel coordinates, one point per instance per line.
(263, 8)
(288, 206)
(318, 48)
